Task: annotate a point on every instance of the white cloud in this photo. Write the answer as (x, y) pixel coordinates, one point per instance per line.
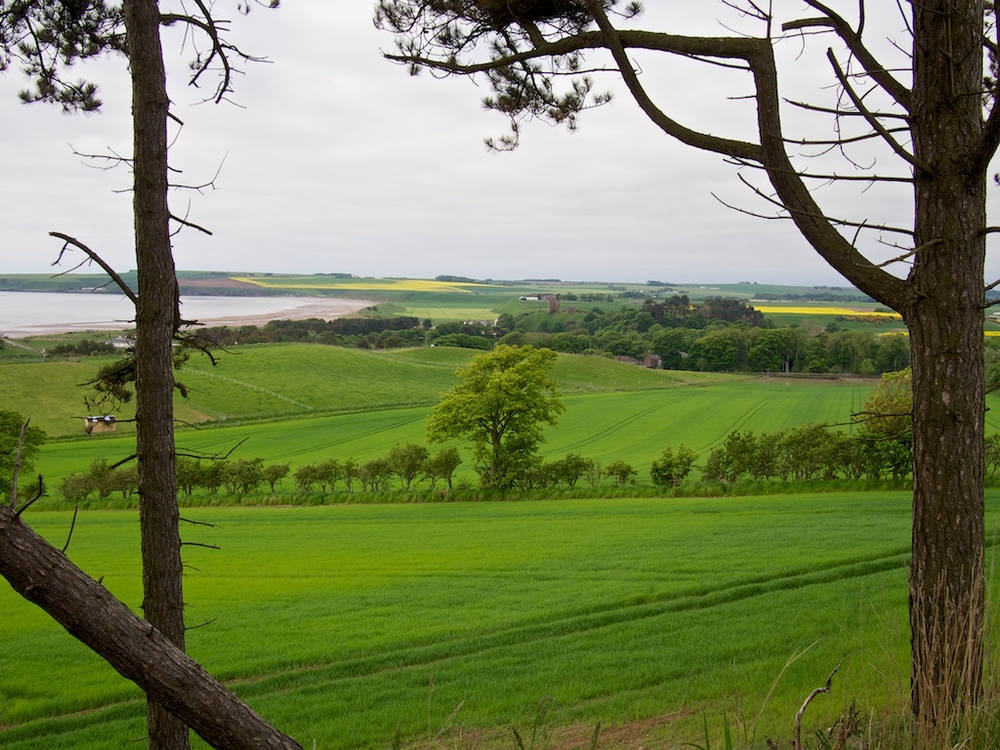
(336, 160)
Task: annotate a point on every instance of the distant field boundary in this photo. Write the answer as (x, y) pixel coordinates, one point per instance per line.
(838, 376)
(250, 386)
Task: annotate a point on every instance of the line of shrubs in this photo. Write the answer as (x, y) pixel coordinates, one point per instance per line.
(802, 454)
(402, 469)
(809, 452)
(245, 476)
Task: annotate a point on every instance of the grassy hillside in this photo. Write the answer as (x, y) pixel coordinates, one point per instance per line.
(304, 403)
(300, 380)
(636, 426)
(248, 382)
(340, 623)
(633, 426)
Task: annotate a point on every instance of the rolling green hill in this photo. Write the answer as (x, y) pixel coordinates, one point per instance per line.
(301, 403)
(262, 382)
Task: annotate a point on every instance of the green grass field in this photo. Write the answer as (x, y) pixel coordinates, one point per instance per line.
(338, 623)
(341, 622)
(301, 404)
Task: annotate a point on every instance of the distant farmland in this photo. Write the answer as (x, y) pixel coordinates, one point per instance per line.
(302, 403)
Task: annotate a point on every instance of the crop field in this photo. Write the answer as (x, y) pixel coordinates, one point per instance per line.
(300, 404)
(356, 284)
(340, 623)
(455, 621)
(613, 411)
(255, 382)
(851, 317)
(444, 300)
(825, 310)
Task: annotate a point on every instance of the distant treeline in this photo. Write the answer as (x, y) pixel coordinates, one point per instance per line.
(380, 333)
(813, 297)
(84, 347)
(718, 334)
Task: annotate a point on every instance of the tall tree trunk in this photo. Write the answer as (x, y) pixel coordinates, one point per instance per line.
(156, 318)
(944, 314)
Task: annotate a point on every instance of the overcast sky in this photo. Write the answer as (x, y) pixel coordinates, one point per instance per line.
(337, 161)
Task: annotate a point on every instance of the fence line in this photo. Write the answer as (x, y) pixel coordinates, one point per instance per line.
(251, 386)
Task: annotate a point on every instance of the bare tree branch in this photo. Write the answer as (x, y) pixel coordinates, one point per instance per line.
(876, 70)
(34, 498)
(184, 222)
(849, 112)
(72, 241)
(873, 119)
(72, 527)
(219, 49)
(809, 699)
(722, 48)
(829, 219)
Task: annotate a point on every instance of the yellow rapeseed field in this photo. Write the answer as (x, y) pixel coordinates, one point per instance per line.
(361, 285)
(819, 310)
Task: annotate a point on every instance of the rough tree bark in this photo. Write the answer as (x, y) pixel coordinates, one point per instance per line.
(944, 313)
(157, 316)
(134, 647)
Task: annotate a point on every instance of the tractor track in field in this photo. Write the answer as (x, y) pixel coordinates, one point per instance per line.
(624, 422)
(395, 425)
(565, 624)
(557, 626)
(249, 386)
(742, 419)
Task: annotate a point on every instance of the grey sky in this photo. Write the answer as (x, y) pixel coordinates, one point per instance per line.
(338, 161)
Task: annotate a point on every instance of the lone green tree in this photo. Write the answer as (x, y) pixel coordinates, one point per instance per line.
(19, 444)
(917, 122)
(505, 398)
(887, 413)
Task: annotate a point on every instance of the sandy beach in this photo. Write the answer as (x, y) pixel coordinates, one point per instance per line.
(264, 309)
(295, 308)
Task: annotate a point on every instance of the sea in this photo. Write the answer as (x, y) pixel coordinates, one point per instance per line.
(32, 313)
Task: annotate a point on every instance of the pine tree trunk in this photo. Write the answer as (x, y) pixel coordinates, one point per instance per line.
(944, 314)
(156, 315)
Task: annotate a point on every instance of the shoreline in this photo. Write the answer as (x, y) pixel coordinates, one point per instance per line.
(316, 307)
(285, 308)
